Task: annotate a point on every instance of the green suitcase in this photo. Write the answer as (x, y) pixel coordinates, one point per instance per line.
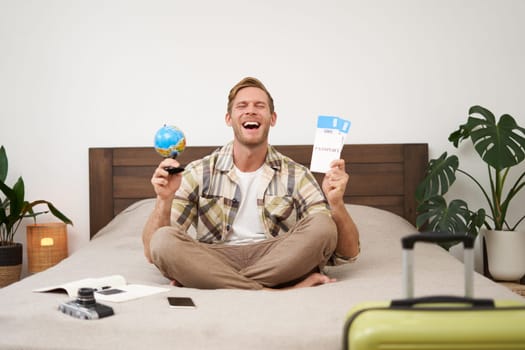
(436, 322)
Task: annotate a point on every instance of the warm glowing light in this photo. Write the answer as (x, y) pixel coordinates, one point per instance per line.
(46, 242)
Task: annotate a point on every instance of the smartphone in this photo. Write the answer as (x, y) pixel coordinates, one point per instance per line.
(181, 302)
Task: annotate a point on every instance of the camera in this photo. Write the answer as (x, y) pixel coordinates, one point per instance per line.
(85, 306)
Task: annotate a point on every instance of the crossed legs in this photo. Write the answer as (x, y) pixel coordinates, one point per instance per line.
(274, 262)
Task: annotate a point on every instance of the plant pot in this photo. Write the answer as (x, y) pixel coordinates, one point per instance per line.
(505, 254)
(10, 263)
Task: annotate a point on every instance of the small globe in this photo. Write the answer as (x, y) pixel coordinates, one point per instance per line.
(169, 141)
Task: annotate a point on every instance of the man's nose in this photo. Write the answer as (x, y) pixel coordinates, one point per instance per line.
(250, 109)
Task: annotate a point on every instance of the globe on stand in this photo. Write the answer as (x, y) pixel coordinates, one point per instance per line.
(169, 141)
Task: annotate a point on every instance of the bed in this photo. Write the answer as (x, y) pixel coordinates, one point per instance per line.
(380, 198)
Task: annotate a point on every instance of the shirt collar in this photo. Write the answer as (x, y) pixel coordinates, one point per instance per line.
(225, 158)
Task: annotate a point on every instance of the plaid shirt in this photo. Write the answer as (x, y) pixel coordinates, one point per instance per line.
(209, 197)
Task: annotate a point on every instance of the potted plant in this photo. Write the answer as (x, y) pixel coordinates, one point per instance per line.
(14, 208)
(500, 144)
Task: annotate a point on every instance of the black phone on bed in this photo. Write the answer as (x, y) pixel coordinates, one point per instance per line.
(181, 302)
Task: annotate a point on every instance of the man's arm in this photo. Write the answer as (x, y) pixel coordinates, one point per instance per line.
(334, 185)
(165, 186)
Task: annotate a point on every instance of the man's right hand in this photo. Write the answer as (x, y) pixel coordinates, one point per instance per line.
(164, 184)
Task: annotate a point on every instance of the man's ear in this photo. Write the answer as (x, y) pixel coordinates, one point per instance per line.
(228, 119)
(273, 121)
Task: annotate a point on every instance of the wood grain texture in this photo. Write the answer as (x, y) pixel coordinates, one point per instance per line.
(384, 176)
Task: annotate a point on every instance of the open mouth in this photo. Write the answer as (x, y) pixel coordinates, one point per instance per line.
(251, 125)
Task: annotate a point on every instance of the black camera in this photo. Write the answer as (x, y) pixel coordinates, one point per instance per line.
(85, 306)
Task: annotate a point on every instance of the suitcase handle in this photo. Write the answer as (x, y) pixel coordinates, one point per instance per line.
(436, 237)
(480, 303)
(408, 243)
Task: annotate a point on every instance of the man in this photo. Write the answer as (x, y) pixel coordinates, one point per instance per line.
(261, 219)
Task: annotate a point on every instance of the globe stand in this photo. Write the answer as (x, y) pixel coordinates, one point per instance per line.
(174, 170)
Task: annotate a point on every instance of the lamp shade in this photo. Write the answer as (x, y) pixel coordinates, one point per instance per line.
(46, 245)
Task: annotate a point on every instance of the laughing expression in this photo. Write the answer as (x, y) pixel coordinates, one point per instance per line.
(250, 117)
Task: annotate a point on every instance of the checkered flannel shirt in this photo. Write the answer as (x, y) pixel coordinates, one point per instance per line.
(209, 197)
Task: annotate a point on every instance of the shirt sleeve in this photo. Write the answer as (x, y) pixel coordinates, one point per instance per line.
(184, 205)
(337, 259)
(310, 196)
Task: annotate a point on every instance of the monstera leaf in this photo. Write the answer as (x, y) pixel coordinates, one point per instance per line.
(441, 174)
(456, 218)
(500, 144)
(439, 216)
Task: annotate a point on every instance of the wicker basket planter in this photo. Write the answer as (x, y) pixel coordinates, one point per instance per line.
(10, 263)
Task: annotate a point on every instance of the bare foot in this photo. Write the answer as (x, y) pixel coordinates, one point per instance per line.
(175, 283)
(314, 279)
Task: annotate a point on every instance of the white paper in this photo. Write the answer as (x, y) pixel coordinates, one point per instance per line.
(130, 292)
(104, 285)
(113, 281)
(329, 140)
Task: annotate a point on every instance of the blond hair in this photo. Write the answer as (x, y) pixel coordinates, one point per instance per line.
(248, 82)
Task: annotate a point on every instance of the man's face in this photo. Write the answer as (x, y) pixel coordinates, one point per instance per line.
(250, 117)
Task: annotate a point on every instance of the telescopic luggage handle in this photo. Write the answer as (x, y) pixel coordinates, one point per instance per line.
(408, 243)
(442, 299)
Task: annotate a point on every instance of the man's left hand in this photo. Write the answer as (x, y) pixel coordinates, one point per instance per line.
(334, 182)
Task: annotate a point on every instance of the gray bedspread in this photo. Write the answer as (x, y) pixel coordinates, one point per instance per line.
(310, 318)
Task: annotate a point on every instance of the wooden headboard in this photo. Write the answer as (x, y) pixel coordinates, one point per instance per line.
(384, 176)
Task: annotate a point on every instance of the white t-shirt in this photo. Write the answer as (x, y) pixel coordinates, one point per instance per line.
(247, 227)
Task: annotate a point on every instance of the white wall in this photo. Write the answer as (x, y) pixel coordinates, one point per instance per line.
(76, 74)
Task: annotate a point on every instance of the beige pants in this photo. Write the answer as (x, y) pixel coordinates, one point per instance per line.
(270, 263)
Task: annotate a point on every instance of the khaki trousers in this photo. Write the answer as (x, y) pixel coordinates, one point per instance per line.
(271, 263)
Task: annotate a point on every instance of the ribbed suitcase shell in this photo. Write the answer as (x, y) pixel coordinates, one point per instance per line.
(436, 322)
(444, 326)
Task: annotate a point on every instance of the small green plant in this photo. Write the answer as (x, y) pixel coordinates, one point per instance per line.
(14, 207)
(501, 145)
